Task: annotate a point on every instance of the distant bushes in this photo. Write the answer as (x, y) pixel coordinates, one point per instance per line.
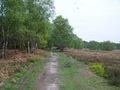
(117, 45)
(107, 45)
(94, 45)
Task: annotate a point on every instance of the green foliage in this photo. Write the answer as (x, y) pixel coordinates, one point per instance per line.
(98, 69)
(25, 23)
(107, 45)
(94, 45)
(62, 35)
(117, 45)
(75, 42)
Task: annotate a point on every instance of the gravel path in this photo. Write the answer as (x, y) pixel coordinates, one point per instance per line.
(48, 79)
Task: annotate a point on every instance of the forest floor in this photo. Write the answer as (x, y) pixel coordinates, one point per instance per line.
(19, 71)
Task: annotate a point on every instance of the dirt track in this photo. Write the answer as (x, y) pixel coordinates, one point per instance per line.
(48, 79)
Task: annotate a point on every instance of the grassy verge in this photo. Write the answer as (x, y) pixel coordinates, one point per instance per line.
(75, 75)
(24, 79)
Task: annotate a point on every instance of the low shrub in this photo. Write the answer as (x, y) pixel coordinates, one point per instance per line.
(113, 75)
(98, 69)
(31, 60)
(67, 64)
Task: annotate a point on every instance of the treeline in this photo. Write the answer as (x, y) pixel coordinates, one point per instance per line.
(27, 25)
(106, 45)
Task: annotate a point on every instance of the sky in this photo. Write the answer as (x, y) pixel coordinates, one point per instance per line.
(92, 19)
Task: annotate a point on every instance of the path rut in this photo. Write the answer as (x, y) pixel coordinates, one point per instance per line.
(48, 79)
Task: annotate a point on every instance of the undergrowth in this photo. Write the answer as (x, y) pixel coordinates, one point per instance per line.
(23, 79)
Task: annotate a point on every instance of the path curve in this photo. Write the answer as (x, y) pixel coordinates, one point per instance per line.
(48, 79)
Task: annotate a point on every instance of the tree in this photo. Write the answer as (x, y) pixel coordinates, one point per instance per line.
(15, 16)
(107, 45)
(85, 44)
(75, 42)
(94, 45)
(61, 33)
(2, 28)
(38, 14)
(24, 24)
(117, 45)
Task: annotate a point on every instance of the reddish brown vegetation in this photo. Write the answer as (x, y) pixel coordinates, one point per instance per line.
(86, 72)
(110, 60)
(98, 56)
(16, 61)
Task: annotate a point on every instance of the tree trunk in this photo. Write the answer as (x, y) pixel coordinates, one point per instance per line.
(6, 45)
(28, 49)
(3, 32)
(61, 49)
(3, 46)
(15, 46)
(7, 40)
(32, 46)
(36, 45)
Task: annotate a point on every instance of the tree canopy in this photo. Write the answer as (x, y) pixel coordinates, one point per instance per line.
(24, 24)
(62, 34)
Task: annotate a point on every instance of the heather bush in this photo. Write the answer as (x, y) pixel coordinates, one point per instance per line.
(113, 74)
